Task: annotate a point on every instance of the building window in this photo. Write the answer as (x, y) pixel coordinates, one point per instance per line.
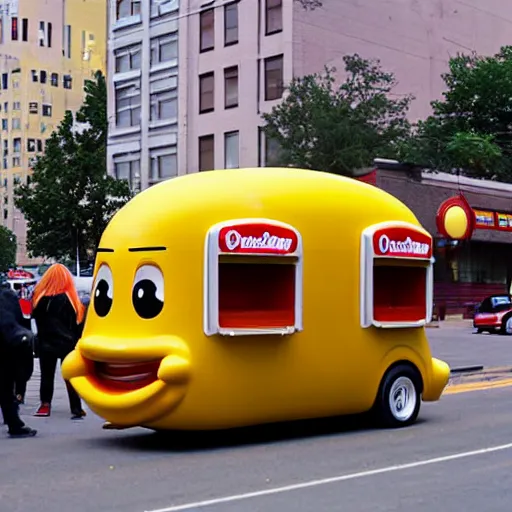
(14, 29)
(164, 49)
(24, 29)
(5, 124)
(128, 58)
(274, 78)
(207, 30)
(16, 161)
(128, 106)
(272, 151)
(163, 7)
(55, 80)
(66, 50)
(127, 8)
(43, 76)
(231, 23)
(5, 80)
(49, 34)
(47, 110)
(16, 123)
(206, 153)
(33, 107)
(231, 150)
(273, 16)
(31, 145)
(35, 75)
(164, 164)
(39, 145)
(6, 107)
(231, 87)
(127, 167)
(206, 93)
(42, 33)
(164, 105)
(67, 82)
(6, 147)
(16, 145)
(16, 105)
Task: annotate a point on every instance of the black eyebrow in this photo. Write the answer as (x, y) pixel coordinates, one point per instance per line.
(143, 249)
(104, 249)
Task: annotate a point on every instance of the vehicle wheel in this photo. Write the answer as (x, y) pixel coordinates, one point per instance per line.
(479, 331)
(399, 398)
(506, 326)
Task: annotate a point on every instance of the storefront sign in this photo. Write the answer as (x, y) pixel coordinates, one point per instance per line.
(257, 238)
(402, 242)
(455, 218)
(484, 220)
(499, 221)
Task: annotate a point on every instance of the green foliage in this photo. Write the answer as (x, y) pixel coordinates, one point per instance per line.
(7, 249)
(71, 198)
(469, 130)
(338, 129)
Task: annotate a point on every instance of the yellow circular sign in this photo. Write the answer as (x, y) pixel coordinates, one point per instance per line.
(456, 222)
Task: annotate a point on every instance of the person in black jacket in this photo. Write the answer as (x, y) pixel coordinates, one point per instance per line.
(59, 315)
(16, 361)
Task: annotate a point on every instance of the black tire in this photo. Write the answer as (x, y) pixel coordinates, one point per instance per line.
(503, 329)
(404, 379)
(479, 331)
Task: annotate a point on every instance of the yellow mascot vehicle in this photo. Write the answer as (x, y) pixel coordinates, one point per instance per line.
(239, 297)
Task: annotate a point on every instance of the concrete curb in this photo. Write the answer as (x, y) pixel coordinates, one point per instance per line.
(466, 369)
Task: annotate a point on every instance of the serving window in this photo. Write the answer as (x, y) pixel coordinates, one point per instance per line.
(253, 278)
(396, 276)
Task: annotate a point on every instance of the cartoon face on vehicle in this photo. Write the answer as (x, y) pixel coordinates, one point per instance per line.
(128, 367)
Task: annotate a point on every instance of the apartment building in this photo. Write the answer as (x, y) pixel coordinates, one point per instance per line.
(48, 48)
(143, 90)
(231, 61)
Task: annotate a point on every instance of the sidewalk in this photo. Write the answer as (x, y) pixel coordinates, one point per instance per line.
(60, 399)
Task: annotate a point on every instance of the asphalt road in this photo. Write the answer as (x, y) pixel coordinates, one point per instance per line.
(334, 464)
(458, 345)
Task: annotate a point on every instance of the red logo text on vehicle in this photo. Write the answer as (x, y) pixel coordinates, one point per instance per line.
(257, 238)
(402, 242)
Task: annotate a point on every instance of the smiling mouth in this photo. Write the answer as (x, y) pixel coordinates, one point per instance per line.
(124, 377)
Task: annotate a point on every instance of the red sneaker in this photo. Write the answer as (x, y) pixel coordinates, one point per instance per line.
(44, 410)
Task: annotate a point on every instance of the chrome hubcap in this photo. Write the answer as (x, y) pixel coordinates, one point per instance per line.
(508, 325)
(402, 398)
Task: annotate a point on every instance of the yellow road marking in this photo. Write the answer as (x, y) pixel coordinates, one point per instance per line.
(477, 386)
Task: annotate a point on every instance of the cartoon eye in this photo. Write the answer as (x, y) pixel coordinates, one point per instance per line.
(148, 291)
(103, 291)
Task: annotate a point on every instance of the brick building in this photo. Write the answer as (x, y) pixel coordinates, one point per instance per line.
(466, 271)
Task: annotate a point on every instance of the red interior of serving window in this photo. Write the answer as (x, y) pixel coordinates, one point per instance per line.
(399, 293)
(256, 295)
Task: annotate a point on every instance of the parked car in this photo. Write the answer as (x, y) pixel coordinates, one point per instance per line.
(494, 314)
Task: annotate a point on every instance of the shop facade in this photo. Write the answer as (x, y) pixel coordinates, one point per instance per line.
(465, 270)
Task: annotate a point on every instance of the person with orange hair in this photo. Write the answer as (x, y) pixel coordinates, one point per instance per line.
(59, 316)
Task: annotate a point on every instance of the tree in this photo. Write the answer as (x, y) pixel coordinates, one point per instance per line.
(71, 198)
(8, 246)
(469, 131)
(341, 128)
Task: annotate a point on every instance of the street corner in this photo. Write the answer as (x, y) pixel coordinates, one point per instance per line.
(478, 378)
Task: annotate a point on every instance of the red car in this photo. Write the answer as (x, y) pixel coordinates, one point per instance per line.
(494, 314)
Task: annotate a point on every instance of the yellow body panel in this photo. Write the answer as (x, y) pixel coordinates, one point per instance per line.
(332, 367)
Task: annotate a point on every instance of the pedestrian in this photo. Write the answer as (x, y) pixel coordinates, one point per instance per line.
(59, 316)
(16, 361)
